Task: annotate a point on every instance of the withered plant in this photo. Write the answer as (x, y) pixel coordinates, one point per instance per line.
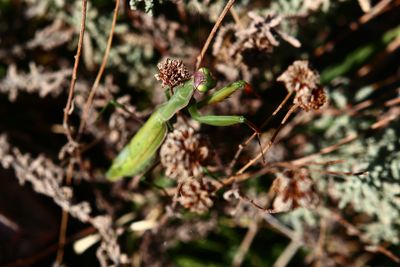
(316, 184)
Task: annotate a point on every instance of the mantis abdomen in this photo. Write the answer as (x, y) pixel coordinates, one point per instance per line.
(141, 150)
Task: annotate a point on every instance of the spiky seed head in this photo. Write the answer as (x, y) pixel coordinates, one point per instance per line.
(172, 72)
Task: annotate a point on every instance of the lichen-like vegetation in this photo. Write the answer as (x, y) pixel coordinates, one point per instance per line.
(317, 185)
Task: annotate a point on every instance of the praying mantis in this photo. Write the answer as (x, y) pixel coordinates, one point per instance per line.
(140, 153)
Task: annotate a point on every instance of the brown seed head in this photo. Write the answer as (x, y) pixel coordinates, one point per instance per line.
(262, 33)
(295, 189)
(310, 99)
(172, 72)
(318, 98)
(305, 82)
(195, 195)
(184, 152)
(299, 76)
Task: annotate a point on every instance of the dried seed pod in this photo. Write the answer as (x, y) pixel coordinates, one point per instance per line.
(184, 152)
(305, 82)
(294, 190)
(172, 72)
(310, 99)
(195, 194)
(262, 33)
(299, 76)
(239, 50)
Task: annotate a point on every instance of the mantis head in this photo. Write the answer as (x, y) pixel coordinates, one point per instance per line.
(203, 80)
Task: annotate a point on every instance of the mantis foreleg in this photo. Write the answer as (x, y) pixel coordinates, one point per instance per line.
(223, 93)
(217, 97)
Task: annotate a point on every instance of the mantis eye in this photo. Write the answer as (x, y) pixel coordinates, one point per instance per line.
(203, 80)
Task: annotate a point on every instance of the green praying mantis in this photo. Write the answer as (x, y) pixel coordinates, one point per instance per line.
(141, 150)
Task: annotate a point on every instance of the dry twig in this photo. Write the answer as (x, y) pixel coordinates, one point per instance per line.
(69, 106)
(246, 243)
(287, 254)
(93, 90)
(213, 32)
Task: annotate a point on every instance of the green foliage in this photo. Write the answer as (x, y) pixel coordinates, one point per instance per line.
(4, 5)
(375, 193)
(360, 56)
(148, 5)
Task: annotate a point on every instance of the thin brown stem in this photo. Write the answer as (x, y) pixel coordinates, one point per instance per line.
(326, 150)
(47, 251)
(281, 228)
(375, 11)
(67, 110)
(392, 102)
(287, 254)
(385, 120)
(355, 231)
(245, 176)
(343, 173)
(68, 106)
(319, 250)
(246, 243)
(378, 9)
(62, 237)
(213, 32)
(64, 220)
(349, 138)
(386, 252)
(291, 110)
(287, 97)
(256, 205)
(265, 123)
(236, 18)
(269, 144)
(96, 83)
(324, 163)
(275, 167)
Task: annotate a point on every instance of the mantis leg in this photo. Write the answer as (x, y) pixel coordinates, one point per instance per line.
(217, 120)
(217, 97)
(223, 93)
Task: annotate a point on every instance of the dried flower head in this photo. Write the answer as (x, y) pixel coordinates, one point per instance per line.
(184, 152)
(195, 195)
(299, 76)
(262, 31)
(240, 50)
(310, 99)
(172, 72)
(306, 83)
(293, 190)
